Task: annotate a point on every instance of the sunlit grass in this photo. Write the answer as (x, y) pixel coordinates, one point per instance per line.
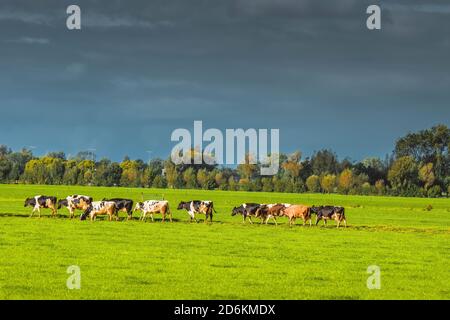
(226, 259)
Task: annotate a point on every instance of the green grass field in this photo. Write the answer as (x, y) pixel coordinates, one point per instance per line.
(226, 259)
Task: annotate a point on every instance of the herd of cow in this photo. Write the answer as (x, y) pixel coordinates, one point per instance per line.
(111, 208)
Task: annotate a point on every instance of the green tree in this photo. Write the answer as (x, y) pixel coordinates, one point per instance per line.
(328, 183)
(380, 187)
(346, 181)
(428, 146)
(267, 185)
(131, 173)
(313, 183)
(403, 174)
(5, 168)
(204, 179)
(292, 165)
(426, 175)
(248, 170)
(171, 174)
(232, 184)
(19, 161)
(324, 161)
(154, 168)
(86, 171)
(189, 178)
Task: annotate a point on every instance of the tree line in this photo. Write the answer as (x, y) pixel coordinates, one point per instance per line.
(418, 166)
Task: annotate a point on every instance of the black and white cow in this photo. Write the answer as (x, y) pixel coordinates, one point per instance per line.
(329, 213)
(75, 202)
(41, 202)
(247, 210)
(125, 205)
(198, 207)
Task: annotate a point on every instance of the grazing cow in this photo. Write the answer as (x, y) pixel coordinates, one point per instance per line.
(267, 211)
(153, 206)
(298, 211)
(125, 205)
(101, 208)
(39, 202)
(198, 207)
(330, 212)
(247, 210)
(75, 202)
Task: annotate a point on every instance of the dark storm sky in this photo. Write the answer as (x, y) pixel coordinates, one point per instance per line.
(140, 69)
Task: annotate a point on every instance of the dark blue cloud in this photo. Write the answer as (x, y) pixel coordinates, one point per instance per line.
(140, 69)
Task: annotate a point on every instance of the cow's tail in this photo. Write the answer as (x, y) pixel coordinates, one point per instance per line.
(212, 207)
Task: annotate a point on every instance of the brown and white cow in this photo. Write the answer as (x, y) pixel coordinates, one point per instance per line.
(98, 208)
(298, 211)
(150, 207)
(267, 211)
(75, 202)
(39, 202)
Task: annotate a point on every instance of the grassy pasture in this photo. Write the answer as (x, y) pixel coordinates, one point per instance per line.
(226, 259)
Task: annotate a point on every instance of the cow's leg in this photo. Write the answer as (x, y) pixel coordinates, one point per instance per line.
(191, 215)
(151, 216)
(163, 217)
(345, 222)
(317, 220)
(250, 219)
(275, 219)
(211, 217)
(170, 216)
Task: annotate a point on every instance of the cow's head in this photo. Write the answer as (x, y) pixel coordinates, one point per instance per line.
(62, 202)
(182, 205)
(86, 213)
(315, 209)
(235, 211)
(28, 202)
(139, 206)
